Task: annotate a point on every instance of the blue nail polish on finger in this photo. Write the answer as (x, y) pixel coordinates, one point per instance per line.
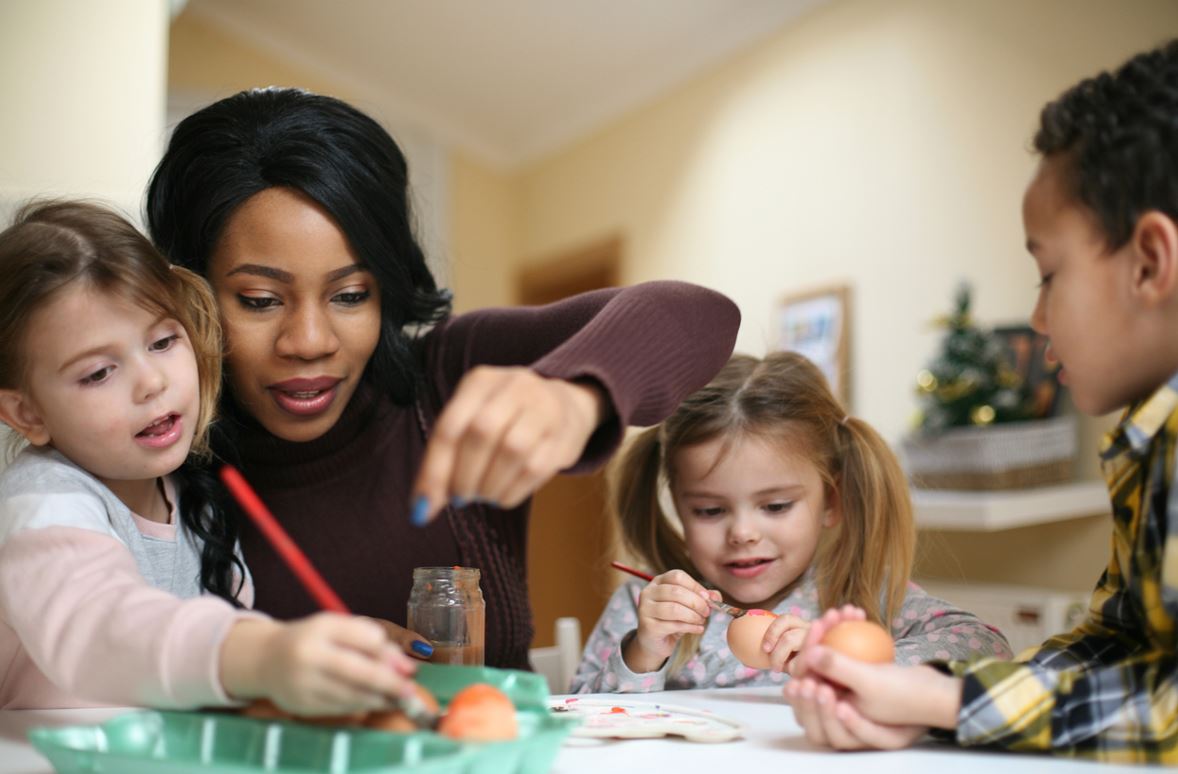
(420, 514)
(423, 649)
(458, 502)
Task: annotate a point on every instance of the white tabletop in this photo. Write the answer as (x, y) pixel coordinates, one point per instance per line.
(17, 756)
(772, 742)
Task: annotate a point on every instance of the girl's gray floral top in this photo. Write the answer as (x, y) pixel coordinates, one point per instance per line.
(925, 629)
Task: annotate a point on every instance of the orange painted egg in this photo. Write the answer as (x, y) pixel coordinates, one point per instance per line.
(480, 713)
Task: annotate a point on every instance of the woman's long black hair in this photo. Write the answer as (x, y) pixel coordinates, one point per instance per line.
(203, 513)
(341, 158)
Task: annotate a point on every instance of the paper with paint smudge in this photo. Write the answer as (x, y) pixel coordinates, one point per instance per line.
(624, 719)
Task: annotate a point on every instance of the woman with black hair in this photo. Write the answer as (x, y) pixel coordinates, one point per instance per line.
(354, 418)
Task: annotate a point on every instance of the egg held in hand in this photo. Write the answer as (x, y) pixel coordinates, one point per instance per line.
(862, 641)
(745, 635)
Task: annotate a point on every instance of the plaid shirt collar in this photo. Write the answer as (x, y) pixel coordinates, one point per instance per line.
(1141, 422)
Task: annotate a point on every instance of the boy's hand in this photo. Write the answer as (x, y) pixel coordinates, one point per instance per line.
(817, 631)
(327, 664)
(783, 639)
(671, 605)
(833, 721)
(851, 705)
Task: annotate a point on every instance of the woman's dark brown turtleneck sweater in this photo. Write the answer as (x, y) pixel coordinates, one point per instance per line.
(344, 497)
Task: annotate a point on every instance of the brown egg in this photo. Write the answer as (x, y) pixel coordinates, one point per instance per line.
(745, 635)
(861, 640)
(480, 713)
(264, 709)
(396, 720)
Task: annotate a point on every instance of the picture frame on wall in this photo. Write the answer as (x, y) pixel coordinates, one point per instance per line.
(1039, 374)
(817, 323)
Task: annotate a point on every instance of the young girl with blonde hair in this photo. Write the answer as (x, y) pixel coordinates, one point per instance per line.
(784, 503)
(121, 581)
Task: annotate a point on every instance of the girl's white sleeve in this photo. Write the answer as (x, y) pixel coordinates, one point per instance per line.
(97, 630)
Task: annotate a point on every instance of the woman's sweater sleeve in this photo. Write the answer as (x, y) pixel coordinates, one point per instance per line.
(97, 630)
(647, 346)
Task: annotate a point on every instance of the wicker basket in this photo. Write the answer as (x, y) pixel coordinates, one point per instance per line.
(1008, 456)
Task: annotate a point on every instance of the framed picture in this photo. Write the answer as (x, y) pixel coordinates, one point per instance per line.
(1027, 351)
(818, 325)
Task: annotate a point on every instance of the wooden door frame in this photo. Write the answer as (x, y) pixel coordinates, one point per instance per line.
(571, 575)
(568, 268)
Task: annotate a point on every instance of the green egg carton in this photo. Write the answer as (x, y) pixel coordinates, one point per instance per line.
(146, 742)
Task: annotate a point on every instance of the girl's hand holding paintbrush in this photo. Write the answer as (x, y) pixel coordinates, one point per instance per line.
(326, 664)
(671, 605)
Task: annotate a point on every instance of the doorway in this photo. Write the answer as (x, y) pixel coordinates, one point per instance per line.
(570, 536)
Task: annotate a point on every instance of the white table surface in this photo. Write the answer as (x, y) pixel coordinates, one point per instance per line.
(772, 742)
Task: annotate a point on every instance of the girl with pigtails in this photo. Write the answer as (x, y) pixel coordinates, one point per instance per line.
(760, 491)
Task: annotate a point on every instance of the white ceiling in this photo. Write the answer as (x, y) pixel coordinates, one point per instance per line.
(507, 80)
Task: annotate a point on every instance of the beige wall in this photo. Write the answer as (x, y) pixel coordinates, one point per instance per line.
(83, 90)
(205, 61)
(487, 233)
(880, 143)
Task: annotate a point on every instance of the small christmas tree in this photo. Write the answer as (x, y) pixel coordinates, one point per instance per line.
(971, 381)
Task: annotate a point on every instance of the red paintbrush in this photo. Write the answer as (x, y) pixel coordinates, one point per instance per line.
(297, 561)
(294, 557)
(723, 607)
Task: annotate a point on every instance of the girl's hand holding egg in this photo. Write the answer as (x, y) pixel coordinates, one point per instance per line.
(671, 605)
(783, 639)
(763, 640)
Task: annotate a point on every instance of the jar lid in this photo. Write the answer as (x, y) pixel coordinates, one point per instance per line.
(455, 572)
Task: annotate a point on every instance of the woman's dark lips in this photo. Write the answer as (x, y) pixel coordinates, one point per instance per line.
(313, 384)
(305, 397)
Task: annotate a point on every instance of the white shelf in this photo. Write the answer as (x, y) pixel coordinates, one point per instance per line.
(990, 511)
